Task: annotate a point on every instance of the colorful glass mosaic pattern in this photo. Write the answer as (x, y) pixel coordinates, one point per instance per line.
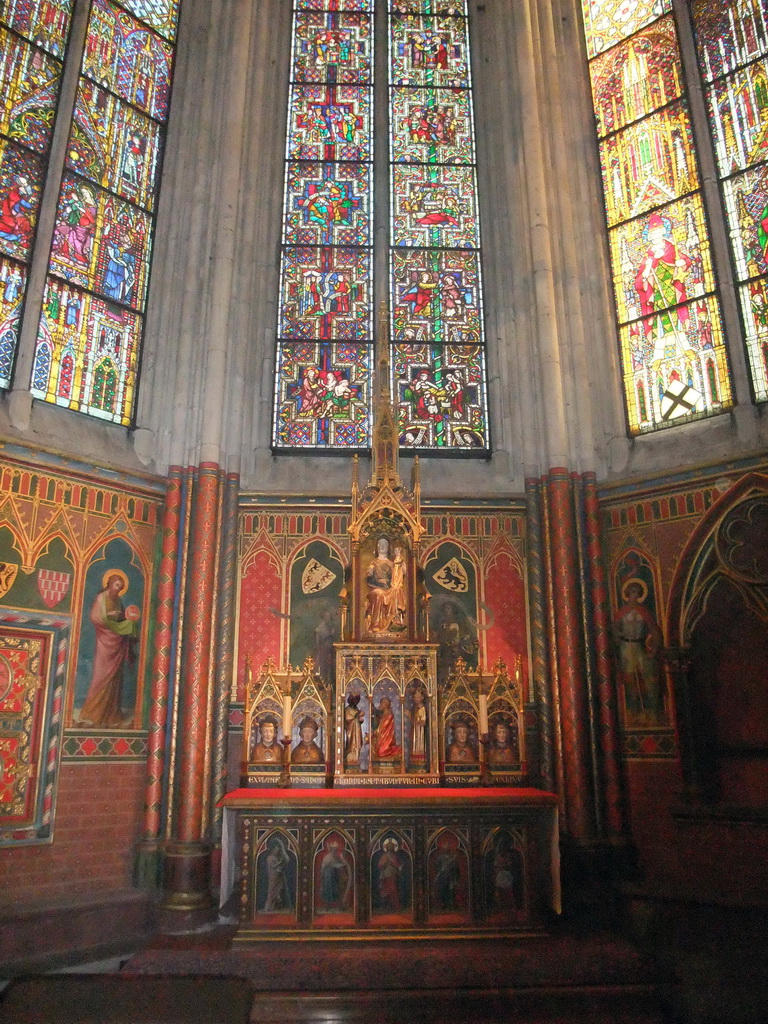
(33, 34)
(609, 21)
(672, 346)
(441, 396)
(13, 282)
(324, 357)
(732, 40)
(43, 22)
(323, 395)
(91, 324)
(438, 364)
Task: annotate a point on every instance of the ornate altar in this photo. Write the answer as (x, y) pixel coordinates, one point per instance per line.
(389, 721)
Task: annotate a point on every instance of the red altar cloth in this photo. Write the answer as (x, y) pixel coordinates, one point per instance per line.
(381, 794)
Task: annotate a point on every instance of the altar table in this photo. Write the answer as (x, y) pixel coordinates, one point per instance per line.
(400, 862)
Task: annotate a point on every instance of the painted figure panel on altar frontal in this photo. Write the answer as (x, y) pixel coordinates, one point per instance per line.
(324, 394)
(317, 576)
(636, 77)
(434, 206)
(609, 21)
(128, 59)
(430, 51)
(29, 84)
(332, 46)
(46, 23)
(431, 126)
(648, 163)
(728, 35)
(276, 877)
(328, 122)
(20, 183)
(387, 754)
(325, 294)
(328, 204)
(13, 283)
(387, 595)
(738, 111)
(333, 875)
(86, 354)
(107, 680)
(46, 587)
(448, 878)
(638, 641)
(503, 877)
(391, 878)
(441, 396)
(114, 145)
(357, 728)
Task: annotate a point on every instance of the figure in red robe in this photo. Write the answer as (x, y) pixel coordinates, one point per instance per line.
(384, 743)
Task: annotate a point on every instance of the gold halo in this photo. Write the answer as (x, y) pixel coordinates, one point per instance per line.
(640, 583)
(114, 572)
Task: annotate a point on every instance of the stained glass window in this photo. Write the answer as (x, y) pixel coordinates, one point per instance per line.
(672, 346)
(732, 40)
(92, 317)
(325, 323)
(32, 42)
(439, 366)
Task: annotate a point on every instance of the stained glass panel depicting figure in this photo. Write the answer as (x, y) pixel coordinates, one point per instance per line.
(20, 184)
(323, 395)
(113, 259)
(436, 296)
(746, 203)
(434, 206)
(329, 46)
(609, 21)
(429, 51)
(636, 77)
(738, 111)
(648, 164)
(441, 398)
(86, 353)
(675, 365)
(441, 8)
(162, 15)
(328, 204)
(729, 35)
(431, 126)
(661, 259)
(129, 60)
(13, 281)
(754, 303)
(113, 145)
(29, 85)
(325, 293)
(330, 123)
(45, 22)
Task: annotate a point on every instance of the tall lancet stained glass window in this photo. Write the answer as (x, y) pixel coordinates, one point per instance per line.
(324, 351)
(732, 41)
(438, 365)
(672, 348)
(92, 318)
(33, 39)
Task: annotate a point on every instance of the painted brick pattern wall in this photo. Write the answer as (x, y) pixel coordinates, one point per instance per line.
(98, 821)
